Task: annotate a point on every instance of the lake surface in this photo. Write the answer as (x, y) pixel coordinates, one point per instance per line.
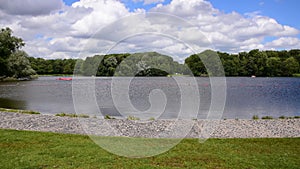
(245, 96)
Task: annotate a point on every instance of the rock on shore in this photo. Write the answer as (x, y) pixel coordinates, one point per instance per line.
(153, 129)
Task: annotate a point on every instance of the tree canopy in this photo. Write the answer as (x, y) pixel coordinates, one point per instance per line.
(254, 62)
(13, 61)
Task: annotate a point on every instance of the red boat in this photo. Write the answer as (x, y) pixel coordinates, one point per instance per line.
(65, 78)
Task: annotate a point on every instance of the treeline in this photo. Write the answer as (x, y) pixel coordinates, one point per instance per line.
(137, 64)
(52, 66)
(255, 62)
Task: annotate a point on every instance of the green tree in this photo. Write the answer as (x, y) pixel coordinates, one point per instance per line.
(19, 66)
(8, 45)
(273, 67)
(196, 65)
(257, 62)
(290, 66)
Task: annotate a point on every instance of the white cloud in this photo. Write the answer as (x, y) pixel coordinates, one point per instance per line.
(284, 43)
(103, 12)
(30, 7)
(184, 8)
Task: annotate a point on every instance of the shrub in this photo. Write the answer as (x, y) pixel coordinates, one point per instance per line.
(255, 117)
(282, 117)
(151, 118)
(108, 117)
(132, 118)
(267, 117)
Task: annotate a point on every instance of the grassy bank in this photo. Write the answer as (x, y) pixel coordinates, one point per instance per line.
(19, 111)
(26, 149)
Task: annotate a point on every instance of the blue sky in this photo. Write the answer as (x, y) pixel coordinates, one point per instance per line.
(284, 11)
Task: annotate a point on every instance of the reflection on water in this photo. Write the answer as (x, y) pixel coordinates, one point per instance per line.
(245, 96)
(13, 104)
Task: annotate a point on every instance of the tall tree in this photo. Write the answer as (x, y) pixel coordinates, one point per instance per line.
(8, 45)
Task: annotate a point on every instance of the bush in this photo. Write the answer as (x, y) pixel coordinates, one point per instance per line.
(30, 112)
(152, 118)
(108, 117)
(282, 117)
(132, 118)
(267, 117)
(255, 117)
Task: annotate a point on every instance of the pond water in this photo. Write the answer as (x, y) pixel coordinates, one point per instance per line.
(245, 96)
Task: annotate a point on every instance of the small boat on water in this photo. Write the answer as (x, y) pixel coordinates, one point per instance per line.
(65, 78)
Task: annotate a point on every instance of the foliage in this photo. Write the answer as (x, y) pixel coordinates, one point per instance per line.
(137, 64)
(8, 45)
(19, 66)
(53, 66)
(107, 117)
(254, 62)
(19, 111)
(72, 115)
(267, 117)
(255, 117)
(27, 149)
(132, 118)
(13, 62)
(282, 117)
(151, 118)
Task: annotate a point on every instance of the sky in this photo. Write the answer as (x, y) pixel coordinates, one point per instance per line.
(80, 28)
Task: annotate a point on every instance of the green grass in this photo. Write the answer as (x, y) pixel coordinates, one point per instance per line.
(19, 111)
(107, 117)
(132, 118)
(72, 115)
(27, 149)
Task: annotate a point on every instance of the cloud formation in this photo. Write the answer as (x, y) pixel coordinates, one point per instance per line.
(30, 7)
(53, 30)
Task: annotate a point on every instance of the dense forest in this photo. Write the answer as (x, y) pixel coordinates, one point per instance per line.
(17, 64)
(137, 64)
(254, 62)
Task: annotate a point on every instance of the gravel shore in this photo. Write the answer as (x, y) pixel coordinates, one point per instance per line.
(153, 129)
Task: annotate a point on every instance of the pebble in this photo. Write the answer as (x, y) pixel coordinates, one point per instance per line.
(230, 128)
